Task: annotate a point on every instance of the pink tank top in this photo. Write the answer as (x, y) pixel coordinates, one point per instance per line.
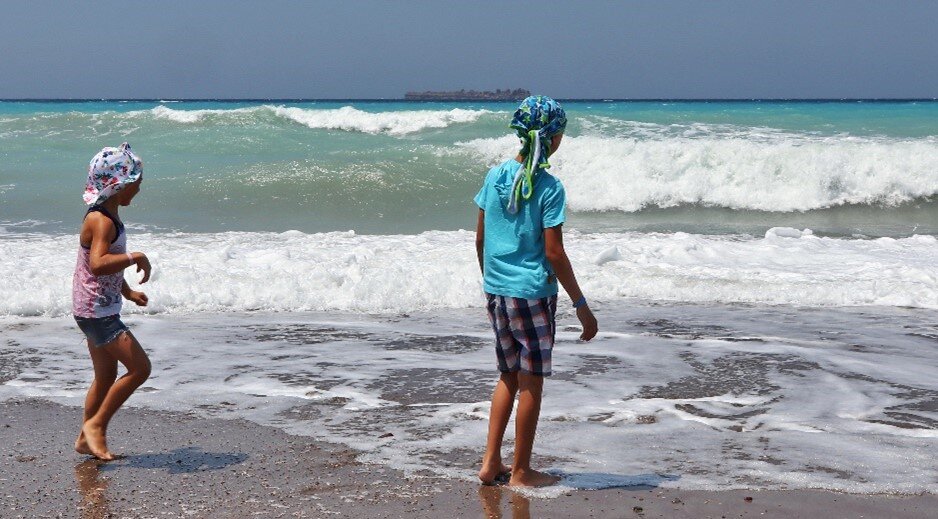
(98, 296)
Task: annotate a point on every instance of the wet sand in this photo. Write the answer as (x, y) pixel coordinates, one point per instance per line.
(180, 465)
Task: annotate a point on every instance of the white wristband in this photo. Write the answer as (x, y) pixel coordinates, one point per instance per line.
(131, 258)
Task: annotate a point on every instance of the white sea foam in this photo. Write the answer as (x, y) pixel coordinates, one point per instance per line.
(695, 397)
(293, 271)
(22, 229)
(194, 116)
(392, 123)
(736, 168)
(346, 118)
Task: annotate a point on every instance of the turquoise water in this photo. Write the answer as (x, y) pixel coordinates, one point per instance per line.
(840, 168)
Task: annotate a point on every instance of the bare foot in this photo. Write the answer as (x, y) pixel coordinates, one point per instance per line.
(532, 478)
(96, 441)
(81, 445)
(490, 473)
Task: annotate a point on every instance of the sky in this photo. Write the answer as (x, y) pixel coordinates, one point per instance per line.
(382, 49)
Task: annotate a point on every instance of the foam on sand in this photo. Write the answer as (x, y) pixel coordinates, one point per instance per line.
(689, 396)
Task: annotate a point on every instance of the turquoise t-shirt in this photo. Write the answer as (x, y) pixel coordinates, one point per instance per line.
(514, 263)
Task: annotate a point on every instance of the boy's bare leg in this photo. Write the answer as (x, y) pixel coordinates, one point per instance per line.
(529, 409)
(105, 372)
(127, 350)
(503, 400)
(491, 497)
(520, 506)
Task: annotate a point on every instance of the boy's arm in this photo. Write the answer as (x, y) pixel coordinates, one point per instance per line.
(557, 256)
(480, 238)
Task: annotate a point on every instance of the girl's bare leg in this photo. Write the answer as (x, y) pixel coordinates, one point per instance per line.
(93, 489)
(503, 400)
(105, 372)
(128, 352)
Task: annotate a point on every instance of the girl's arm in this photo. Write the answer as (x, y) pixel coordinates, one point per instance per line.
(480, 238)
(139, 298)
(557, 256)
(101, 261)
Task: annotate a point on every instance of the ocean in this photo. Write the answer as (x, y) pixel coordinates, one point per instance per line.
(764, 273)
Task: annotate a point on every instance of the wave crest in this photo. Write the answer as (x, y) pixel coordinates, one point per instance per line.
(781, 172)
(392, 123)
(347, 118)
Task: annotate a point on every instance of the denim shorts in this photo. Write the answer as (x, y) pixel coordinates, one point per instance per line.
(101, 330)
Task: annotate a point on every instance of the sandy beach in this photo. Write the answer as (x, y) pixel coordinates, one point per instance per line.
(177, 465)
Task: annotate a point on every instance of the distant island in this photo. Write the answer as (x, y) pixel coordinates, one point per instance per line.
(469, 95)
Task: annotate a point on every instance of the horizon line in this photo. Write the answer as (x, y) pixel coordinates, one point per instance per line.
(402, 100)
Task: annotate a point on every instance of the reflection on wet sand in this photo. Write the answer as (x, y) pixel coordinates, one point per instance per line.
(93, 490)
(491, 497)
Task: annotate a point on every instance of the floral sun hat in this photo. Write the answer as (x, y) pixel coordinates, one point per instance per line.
(110, 170)
(537, 120)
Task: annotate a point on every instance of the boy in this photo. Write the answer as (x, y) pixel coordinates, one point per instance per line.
(520, 247)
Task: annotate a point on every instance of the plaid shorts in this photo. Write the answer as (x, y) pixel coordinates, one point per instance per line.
(524, 332)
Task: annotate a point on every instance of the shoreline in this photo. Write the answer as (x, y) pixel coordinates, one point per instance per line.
(178, 464)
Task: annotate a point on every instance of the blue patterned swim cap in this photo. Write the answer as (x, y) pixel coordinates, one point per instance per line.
(542, 114)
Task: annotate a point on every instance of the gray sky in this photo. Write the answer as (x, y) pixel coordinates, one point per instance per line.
(381, 49)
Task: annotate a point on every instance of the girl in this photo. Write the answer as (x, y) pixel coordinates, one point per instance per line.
(114, 178)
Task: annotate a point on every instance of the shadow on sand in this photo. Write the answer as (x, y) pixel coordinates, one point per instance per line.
(179, 461)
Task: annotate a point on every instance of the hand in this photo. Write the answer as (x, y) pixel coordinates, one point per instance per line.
(139, 298)
(143, 264)
(590, 327)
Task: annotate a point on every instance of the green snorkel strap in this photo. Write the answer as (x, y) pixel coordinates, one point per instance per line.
(523, 186)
